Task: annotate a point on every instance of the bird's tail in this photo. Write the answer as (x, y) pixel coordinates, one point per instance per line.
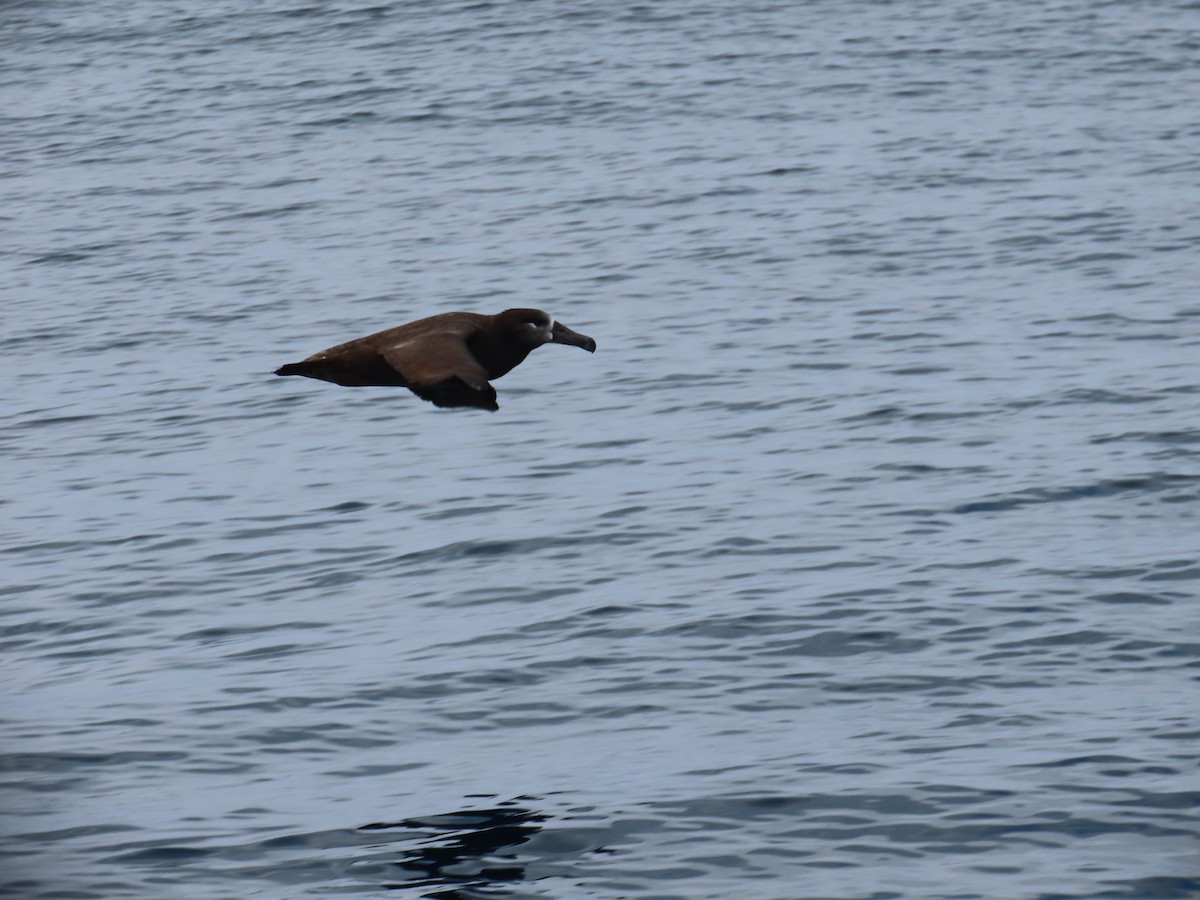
(293, 369)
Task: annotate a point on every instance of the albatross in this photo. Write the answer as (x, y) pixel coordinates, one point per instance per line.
(447, 359)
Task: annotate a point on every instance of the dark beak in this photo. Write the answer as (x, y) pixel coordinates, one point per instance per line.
(561, 334)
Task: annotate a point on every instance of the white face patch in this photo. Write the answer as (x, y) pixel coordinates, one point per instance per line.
(547, 330)
(544, 330)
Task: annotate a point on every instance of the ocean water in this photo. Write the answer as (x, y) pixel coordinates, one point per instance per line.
(860, 561)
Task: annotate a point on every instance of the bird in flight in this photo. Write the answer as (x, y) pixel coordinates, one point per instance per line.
(447, 359)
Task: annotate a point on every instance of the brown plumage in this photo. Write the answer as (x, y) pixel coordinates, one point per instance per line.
(446, 359)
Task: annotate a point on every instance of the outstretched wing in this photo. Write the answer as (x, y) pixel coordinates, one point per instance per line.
(441, 369)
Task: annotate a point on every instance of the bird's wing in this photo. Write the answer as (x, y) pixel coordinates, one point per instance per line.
(440, 368)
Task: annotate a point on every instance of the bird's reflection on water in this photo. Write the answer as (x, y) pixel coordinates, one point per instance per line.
(465, 853)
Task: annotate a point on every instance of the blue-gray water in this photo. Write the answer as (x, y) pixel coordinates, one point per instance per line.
(859, 562)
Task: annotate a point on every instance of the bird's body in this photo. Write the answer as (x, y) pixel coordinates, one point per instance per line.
(447, 359)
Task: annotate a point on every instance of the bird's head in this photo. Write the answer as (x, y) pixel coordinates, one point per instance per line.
(533, 327)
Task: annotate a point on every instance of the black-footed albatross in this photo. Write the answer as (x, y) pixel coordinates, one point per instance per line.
(446, 359)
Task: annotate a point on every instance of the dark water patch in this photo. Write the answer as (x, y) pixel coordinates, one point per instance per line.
(275, 651)
(162, 856)
(927, 685)
(1098, 395)
(960, 838)
(623, 512)
(1149, 484)
(272, 704)
(51, 421)
(920, 370)
(67, 256)
(1082, 760)
(840, 643)
(1158, 887)
(51, 762)
(577, 465)
(789, 170)
(562, 547)
(1175, 800)
(348, 506)
(1072, 638)
(515, 594)
(741, 546)
(916, 469)
(463, 510)
(779, 808)
(1173, 573)
(376, 771)
(1154, 437)
(725, 629)
(220, 634)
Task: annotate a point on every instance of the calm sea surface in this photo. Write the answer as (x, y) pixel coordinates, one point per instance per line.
(861, 561)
